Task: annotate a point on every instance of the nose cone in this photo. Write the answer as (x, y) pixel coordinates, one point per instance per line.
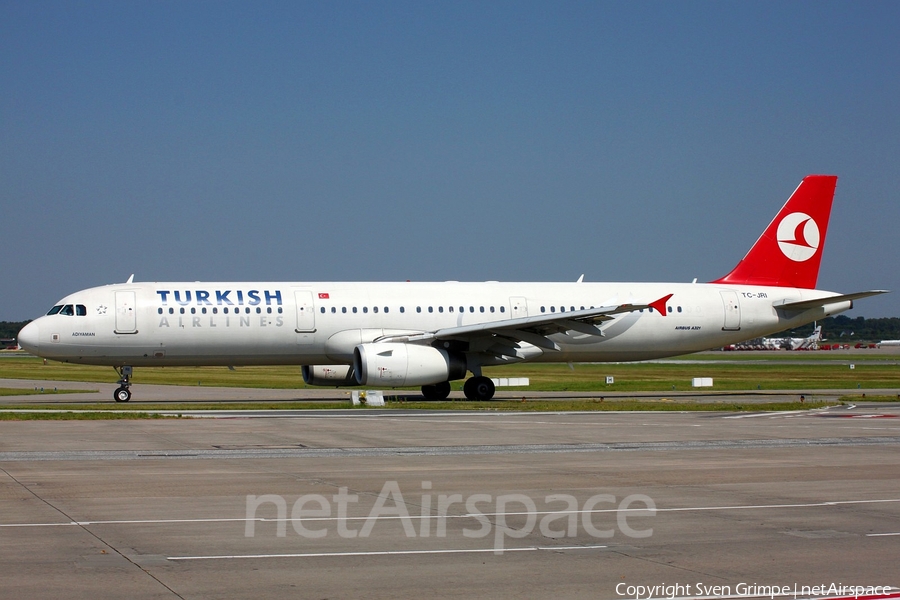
(29, 338)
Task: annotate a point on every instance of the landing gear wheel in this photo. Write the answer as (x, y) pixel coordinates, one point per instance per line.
(479, 388)
(122, 394)
(438, 391)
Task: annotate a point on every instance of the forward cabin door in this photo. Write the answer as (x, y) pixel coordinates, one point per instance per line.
(126, 317)
(732, 311)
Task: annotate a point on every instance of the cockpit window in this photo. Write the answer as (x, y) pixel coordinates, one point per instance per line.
(55, 309)
(80, 310)
(68, 310)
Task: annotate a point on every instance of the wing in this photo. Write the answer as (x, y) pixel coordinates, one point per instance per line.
(532, 330)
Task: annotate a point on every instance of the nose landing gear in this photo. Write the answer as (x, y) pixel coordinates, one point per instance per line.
(123, 393)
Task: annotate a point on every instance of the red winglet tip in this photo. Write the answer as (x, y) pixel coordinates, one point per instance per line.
(660, 305)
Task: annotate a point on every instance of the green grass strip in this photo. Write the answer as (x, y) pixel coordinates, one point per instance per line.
(34, 392)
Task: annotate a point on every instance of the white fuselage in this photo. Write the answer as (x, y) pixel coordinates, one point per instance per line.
(162, 324)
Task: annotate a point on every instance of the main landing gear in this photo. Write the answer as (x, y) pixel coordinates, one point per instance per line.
(122, 393)
(438, 391)
(479, 388)
(475, 388)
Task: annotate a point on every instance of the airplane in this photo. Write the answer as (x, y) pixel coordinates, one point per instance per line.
(399, 334)
(794, 343)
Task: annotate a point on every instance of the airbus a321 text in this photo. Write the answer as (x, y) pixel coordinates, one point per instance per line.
(429, 334)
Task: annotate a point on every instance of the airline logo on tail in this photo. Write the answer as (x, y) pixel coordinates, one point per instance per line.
(798, 236)
(788, 253)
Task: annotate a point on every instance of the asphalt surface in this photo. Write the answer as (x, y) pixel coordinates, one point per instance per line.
(395, 504)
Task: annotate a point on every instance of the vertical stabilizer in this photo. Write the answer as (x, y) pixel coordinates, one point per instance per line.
(789, 251)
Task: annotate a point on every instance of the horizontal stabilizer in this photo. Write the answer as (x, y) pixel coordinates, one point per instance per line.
(807, 304)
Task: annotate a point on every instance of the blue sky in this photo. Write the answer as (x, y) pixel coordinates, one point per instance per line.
(438, 140)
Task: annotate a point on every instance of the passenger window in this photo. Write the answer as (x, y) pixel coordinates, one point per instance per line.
(492, 309)
(402, 309)
(449, 309)
(215, 310)
(159, 310)
(344, 309)
(194, 311)
(502, 309)
(58, 308)
(365, 309)
(440, 309)
(482, 308)
(385, 309)
(203, 310)
(418, 309)
(471, 309)
(333, 309)
(542, 309)
(354, 310)
(181, 310)
(374, 309)
(431, 309)
(172, 311)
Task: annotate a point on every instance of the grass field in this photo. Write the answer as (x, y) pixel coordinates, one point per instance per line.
(730, 372)
(870, 372)
(26, 392)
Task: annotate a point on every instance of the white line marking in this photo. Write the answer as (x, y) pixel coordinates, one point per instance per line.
(881, 534)
(462, 516)
(386, 553)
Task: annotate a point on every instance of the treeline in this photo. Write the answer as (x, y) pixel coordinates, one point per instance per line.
(10, 329)
(841, 328)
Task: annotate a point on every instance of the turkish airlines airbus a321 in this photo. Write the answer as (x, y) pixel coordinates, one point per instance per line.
(429, 334)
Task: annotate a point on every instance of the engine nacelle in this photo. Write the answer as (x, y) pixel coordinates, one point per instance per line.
(330, 375)
(398, 365)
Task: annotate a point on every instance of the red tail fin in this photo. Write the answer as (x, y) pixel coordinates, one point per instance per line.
(789, 251)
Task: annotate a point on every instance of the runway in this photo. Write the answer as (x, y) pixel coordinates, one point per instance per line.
(381, 504)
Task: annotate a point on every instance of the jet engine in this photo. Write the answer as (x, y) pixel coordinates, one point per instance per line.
(330, 375)
(398, 365)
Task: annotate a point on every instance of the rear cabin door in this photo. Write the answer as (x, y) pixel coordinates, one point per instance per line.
(732, 311)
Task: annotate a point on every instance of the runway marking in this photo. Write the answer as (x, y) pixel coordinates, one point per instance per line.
(882, 534)
(385, 553)
(463, 450)
(464, 516)
(779, 415)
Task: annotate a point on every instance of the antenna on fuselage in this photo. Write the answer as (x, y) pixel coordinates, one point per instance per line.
(130, 279)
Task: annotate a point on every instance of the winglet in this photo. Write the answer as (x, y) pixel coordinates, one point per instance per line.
(660, 305)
